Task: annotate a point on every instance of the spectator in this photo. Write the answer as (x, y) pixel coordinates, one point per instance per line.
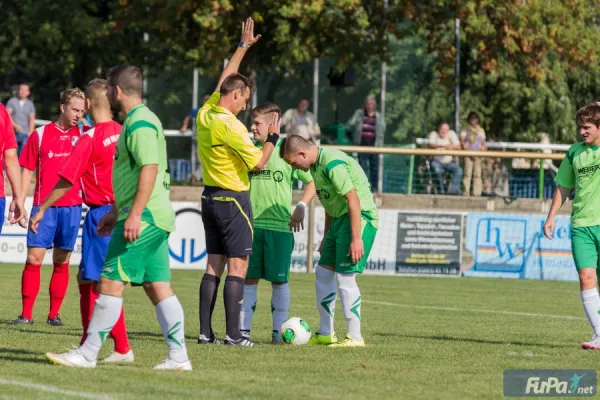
(472, 138)
(196, 175)
(299, 121)
(22, 113)
(445, 139)
(369, 130)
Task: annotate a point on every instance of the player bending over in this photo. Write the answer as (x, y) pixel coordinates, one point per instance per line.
(91, 163)
(46, 150)
(140, 220)
(350, 226)
(271, 197)
(8, 158)
(579, 171)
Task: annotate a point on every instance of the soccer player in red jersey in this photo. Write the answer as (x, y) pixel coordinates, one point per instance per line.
(91, 163)
(46, 150)
(8, 157)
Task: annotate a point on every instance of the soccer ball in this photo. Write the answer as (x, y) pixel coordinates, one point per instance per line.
(295, 331)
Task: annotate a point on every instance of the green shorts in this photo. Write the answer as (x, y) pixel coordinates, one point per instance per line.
(146, 260)
(271, 255)
(585, 245)
(336, 245)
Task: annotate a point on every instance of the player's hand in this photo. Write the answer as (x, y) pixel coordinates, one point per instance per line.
(248, 32)
(357, 250)
(132, 228)
(549, 228)
(18, 128)
(275, 125)
(107, 223)
(34, 222)
(297, 221)
(16, 212)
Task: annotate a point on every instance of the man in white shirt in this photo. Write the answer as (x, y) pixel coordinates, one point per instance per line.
(445, 139)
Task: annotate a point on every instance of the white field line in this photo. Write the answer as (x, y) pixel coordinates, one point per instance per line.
(53, 389)
(522, 314)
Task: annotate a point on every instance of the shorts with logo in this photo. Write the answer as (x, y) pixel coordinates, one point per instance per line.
(336, 245)
(585, 244)
(227, 218)
(58, 229)
(271, 255)
(2, 209)
(145, 260)
(94, 246)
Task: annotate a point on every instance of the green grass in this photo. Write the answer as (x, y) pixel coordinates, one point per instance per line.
(418, 345)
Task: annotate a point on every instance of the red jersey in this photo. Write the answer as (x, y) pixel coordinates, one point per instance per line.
(46, 150)
(7, 141)
(92, 162)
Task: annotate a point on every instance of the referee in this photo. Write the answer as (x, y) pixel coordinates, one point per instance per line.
(228, 154)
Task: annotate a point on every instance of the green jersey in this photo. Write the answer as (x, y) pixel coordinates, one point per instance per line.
(271, 193)
(580, 170)
(335, 174)
(142, 142)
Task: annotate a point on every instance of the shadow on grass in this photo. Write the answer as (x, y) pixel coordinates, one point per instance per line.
(59, 331)
(26, 356)
(153, 335)
(17, 351)
(482, 341)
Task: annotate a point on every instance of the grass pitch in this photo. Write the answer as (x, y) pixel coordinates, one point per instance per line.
(427, 338)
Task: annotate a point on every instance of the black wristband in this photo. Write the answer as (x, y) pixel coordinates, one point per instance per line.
(273, 138)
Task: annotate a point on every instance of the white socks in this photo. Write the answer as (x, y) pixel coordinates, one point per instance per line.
(350, 295)
(326, 295)
(170, 318)
(248, 307)
(107, 311)
(591, 305)
(280, 304)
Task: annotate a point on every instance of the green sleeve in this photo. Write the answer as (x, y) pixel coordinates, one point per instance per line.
(212, 100)
(142, 142)
(304, 176)
(565, 176)
(337, 171)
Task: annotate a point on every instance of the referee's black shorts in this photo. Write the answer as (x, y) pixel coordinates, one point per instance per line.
(227, 218)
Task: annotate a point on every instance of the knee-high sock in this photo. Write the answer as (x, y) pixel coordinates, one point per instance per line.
(58, 287)
(233, 294)
(209, 288)
(280, 304)
(248, 307)
(87, 298)
(350, 295)
(326, 296)
(170, 318)
(119, 334)
(30, 287)
(591, 305)
(106, 313)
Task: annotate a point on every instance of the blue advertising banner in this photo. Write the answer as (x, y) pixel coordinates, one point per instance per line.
(514, 246)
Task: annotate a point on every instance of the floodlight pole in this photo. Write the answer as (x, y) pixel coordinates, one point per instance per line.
(311, 206)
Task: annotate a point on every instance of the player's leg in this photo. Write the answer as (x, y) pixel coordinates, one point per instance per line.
(94, 249)
(2, 209)
(256, 271)
(585, 255)
(346, 272)
(326, 290)
(65, 236)
(37, 243)
(278, 258)
(209, 287)
(157, 284)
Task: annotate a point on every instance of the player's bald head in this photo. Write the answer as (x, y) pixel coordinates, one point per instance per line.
(128, 77)
(293, 144)
(95, 92)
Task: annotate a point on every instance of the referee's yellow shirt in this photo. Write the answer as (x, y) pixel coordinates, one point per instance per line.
(226, 151)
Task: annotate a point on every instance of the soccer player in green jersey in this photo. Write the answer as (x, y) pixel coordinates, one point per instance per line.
(140, 222)
(273, 243)
(580, 171)
(350, 226)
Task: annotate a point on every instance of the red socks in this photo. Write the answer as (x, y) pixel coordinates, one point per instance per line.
(87, 300)
(30, 287)
(58, 287)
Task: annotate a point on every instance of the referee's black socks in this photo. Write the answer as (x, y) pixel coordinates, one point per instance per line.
(233, 296)
(208, 297)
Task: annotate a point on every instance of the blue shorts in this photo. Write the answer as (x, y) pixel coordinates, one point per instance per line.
(94, 247)
(58, 229)
(2, 207)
